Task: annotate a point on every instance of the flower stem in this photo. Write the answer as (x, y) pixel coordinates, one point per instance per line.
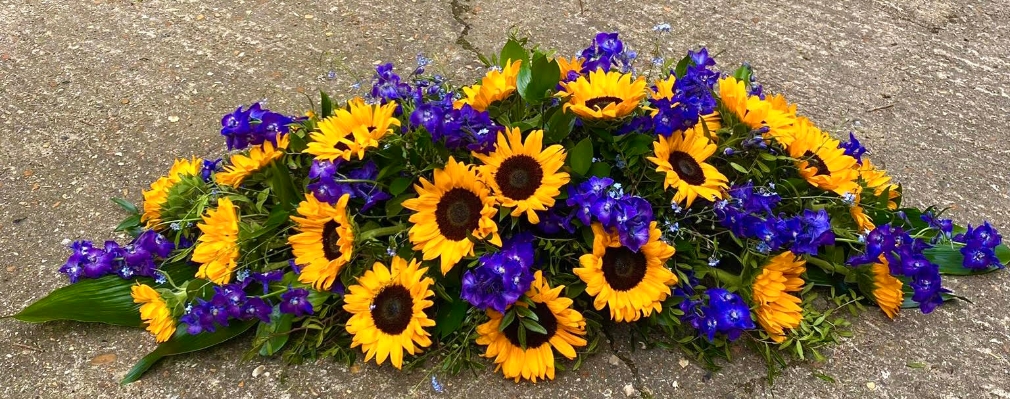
(383, 231)
(827, 266)
(725, 277)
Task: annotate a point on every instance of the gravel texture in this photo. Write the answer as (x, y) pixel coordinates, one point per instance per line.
(98, 96)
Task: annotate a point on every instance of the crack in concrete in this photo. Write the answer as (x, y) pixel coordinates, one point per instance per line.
(630, 364)
(458, 10)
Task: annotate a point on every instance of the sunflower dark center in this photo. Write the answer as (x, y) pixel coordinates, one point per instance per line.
(602, 102)
(342, 146)
(623, 269)
(546, 320)
(519, 176)
(687, 168)
(816, 162)
(330, 237)
(458, 213)
(392, 309)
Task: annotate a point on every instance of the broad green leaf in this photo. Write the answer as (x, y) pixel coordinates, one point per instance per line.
(399, 185)
(450, 317)
(951, 261)
(102, 300)
(514, 51)
(274, 333)
(558, 127)
(129, 223)
(581, 157)
(537, 80)
(127, 205)
(681, 68)
(182, 342)
(508, 318)
(533, 326)
(599, 169)
(743, 73)
(326, 104)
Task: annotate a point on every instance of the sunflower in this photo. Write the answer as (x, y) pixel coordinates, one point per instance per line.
(886, 289)
(156, 197)
(682, 158)
(821, 162)
(217, 248)
(524, 176)
(634, 284)
(325, 242)
(154, 311)
(387, 311)
(572, 65)
(604, 95)
(777, 309)
(565, 330)
(455, 206)
(259, 157)
(351, 131)
(496, 85)
(879, 180)
(862, 220)
(757, 113)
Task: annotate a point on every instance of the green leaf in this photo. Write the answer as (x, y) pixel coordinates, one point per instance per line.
(581, 157)
(744, 73)
(129, 223)
(538, 79)
(127, 205)
(599, 169)
(916, 365)
(182, 342)
(738, 168)
(1003, 253)
(399, 185)
(102, 300)
(507, 319)
(951, 261)
(274, 333)
(558, 127)
(450, 317)
(395, 205)
(513, 50)
(526, 313)
(326, 104)
(533, 326)
(681, 68)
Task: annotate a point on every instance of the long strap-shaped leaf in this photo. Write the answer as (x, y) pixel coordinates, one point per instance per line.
(103, 300)
(182, 342)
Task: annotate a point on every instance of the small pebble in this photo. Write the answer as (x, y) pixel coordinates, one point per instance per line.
(614, 360)
(683, 363)
(871, 386)
(173, 119)
(258, 371)
(629, 390)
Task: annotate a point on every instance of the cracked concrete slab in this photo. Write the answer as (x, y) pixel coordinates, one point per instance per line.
(97, 98)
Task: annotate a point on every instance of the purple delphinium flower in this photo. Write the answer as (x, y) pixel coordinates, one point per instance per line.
(853, 148)
(253, 126)
(502, 277)
(296, 301)
(723, 312)
(387, 85)
(264, 279)
(979, 248)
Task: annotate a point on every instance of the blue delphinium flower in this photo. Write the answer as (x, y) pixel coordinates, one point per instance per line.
(295, 301)
(253, 126)
(853, 148)
(692, 98)
(387, 85)
(264, 279)
(979, 248)
(257, 308)
(723, 312)
(327, 186)
(501, 277)
(944, 226)
(208, 169)
(556, 220)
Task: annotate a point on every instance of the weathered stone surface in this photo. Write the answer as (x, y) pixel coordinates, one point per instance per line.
(97, 98)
